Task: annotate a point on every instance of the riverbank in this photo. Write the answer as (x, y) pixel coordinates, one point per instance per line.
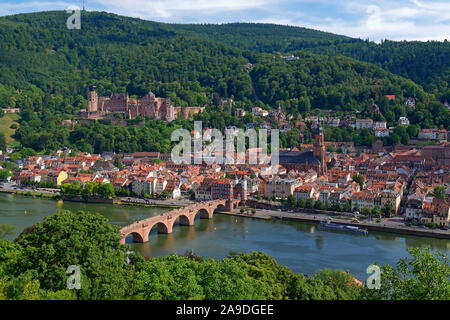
(390, 226)
(115, 201)
(136, 202)
(33, 194)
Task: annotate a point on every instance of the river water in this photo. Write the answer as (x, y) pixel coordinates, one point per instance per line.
(298, 245)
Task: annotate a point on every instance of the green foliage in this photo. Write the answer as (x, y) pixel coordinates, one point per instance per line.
(2, 141)
(359, 179)
(316, 81)
(4, 175)
(120, 54)
(376, 211)
(165, 194)
(387, 209)
(342, 284)
(117, 163)
(34, 267)
(88, 190)
(318, 205)
(175, 277)
(426, 63)
(271, 278)
(6, 230)
(168, 278)
(439, 192)
(424, 277)
(309, 288)
(83, 239)
(291, 200)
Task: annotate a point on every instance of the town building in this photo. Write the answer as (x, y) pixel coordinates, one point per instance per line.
(363, 123)
(403, 121)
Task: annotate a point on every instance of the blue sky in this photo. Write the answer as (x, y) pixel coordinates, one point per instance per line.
(373, 19)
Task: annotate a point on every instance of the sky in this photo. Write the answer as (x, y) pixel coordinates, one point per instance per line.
(366, 19)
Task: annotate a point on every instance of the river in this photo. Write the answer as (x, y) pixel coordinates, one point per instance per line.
(300, 246)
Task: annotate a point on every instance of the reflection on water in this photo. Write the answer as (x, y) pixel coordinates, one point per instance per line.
(319, 242)
(301, 246)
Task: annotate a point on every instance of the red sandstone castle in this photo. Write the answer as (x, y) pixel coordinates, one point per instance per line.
(147, 106)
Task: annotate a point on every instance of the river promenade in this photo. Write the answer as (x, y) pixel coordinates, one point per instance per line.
(394, 225)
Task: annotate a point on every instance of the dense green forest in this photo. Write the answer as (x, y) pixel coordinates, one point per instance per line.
(34, 266)
(426, 63)
(47, 69)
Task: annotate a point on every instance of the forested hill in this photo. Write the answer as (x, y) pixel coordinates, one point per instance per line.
(427, 63)
(261, 37)
(116, 54)
(120, 54)
(47, 69)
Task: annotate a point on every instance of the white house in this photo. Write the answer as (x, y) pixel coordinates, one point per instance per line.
(363, 123)
(381, 132)
(403, 121)
(258, 111)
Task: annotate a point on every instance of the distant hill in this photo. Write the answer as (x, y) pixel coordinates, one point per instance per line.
(46, 71)
(261, 37)
(118, 54)
(427, 63)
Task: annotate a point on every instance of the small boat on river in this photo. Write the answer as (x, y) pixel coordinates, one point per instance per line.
(328, 225)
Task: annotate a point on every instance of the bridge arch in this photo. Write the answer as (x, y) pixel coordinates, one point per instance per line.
(136, 237)
(220, 207)
(161, 226)
(204, 213)
(183, 220)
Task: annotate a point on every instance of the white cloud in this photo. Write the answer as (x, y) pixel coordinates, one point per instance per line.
(32, 6)
(178, 8)
(409, 20)
(373, 19)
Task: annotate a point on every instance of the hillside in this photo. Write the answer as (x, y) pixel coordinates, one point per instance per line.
(261, 37)
(119, 54)
(46, 70)
(427, 63)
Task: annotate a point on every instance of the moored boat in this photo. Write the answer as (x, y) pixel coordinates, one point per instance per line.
(341, 227)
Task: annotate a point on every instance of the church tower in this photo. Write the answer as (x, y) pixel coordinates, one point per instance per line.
(319, 151)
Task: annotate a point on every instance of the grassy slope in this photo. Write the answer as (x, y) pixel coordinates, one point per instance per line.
(5, 124)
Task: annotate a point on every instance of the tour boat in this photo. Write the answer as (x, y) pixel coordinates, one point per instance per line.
(341, 227)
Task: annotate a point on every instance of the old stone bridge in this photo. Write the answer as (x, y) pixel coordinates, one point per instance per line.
(164, 222)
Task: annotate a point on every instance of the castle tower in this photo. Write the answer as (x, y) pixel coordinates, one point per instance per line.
(92, 101)
(319, 151)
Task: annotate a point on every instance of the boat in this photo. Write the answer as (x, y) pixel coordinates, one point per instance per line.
(341, 227)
